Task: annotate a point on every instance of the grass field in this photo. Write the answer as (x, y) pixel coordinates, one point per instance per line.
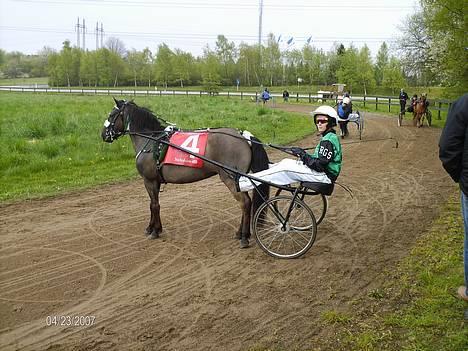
(51, 144)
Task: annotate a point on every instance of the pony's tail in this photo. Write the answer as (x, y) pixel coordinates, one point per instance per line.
(259, 163)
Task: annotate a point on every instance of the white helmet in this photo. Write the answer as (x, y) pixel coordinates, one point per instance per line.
(326, 111)
(346, 101)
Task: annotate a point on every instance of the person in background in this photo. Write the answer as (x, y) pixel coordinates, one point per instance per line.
(453, 153)
(323, 166)
(285, 96)
(402, 97)
(344, 108)
(265, 96)
(413, 102)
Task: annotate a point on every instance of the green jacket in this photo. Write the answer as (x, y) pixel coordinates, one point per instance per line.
(327, 156)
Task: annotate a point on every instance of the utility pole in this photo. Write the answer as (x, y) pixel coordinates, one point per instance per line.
(102, 35)
(84, 31)
(97, 36)
(260, 30)
(78, 26)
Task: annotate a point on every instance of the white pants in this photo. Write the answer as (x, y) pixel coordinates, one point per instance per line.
(285, 172)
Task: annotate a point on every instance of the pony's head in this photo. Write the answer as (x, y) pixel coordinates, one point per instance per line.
(126, 117)
(114, 125)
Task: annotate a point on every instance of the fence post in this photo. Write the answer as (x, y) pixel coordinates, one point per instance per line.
(376, 103)
(364, 101)
(309, 99)
(242, 97)
(297, 97)
(438, 112)
(389, 103)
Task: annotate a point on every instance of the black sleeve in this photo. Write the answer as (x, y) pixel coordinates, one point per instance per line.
(452, 140)
(325, 156)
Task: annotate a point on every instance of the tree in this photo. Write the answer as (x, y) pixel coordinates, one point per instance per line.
(116, 66)
(116, 46)
(382, 61)
(365, 70)
(163, 65)
(183, 64)
(211, 69)
(347, 72)
(249, 62)
(12, 67)
(445, 23)
(226, 52)
(272, 60)
(414, 48)
(136, 61)
(392, 75)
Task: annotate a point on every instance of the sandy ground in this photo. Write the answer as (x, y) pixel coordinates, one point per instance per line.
(85, 255)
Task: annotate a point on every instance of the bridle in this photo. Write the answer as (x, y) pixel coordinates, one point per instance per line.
(111, 134)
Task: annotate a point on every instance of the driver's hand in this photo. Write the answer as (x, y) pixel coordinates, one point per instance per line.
(298, 151)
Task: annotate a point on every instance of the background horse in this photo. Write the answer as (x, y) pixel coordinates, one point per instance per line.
(419, 111)
(224, 145)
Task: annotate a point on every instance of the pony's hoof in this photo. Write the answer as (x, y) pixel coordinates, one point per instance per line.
(244, 243)
(153, 236)
(148, 231)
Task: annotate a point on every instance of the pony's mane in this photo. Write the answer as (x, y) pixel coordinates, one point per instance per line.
(142, 118)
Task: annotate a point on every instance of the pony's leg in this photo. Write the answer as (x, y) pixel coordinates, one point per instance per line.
(245, 204)
(154, 227)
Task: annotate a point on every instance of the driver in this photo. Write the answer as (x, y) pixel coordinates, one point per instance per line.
(323, 166)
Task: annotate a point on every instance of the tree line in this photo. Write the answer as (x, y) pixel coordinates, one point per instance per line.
(225, 65)
(431, 51)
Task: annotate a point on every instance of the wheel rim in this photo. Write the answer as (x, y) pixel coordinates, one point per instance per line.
(317, 203)
(291, 240)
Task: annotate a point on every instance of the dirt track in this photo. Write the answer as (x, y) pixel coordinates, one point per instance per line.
(85, 254)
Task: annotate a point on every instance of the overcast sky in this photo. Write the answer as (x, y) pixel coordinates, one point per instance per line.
(29, 25)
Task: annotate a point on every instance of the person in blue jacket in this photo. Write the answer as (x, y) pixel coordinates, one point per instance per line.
(265, 96)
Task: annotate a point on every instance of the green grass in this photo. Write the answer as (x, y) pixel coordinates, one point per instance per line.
(24, 81)
(52, 144)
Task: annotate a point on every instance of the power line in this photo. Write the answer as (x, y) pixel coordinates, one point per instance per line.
(191, 35)
(218, 6)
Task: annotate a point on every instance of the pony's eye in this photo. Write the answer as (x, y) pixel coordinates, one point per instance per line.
(106, 123)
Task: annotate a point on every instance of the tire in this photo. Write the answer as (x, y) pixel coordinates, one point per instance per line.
(317, 203)
(400, 119)
(361, 125)
(277, 240)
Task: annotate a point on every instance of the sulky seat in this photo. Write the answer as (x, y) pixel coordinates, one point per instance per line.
(321, 188)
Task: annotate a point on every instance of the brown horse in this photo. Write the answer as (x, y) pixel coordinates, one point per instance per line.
(419, 111)
(224, 145)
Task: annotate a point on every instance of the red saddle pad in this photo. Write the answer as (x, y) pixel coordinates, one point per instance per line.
(194, 142)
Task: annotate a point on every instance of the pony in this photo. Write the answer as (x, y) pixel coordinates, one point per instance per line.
(224, 146)
(419, 111)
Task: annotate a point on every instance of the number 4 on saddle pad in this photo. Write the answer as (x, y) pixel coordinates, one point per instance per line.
(193, 142)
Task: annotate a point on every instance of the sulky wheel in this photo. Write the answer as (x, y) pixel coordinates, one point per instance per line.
(400, 119)
(361, 125)
(317, 203)
(280, 238)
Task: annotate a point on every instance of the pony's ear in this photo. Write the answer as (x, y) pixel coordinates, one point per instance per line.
(118, 103)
